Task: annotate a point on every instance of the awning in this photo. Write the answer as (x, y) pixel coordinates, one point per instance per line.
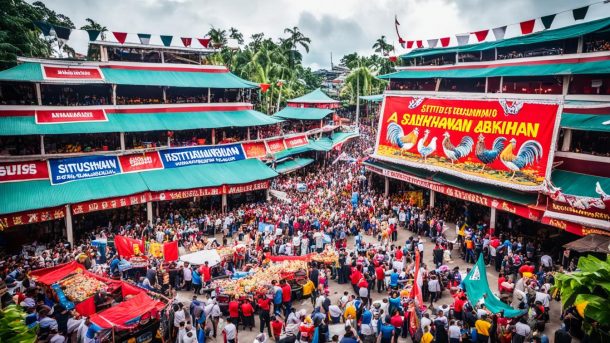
(292, 165)
(372, 98)
(200, 257)
(29, 195)
(50, 275)
(303, 113)
(140, 119)
(580, 65)
(126, 314)
(340, 137)
(586, 122)
(315, 97)
(578, 184)
(590, 243)
(537, 37)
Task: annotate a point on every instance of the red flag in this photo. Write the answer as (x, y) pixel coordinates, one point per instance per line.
(120, 36)
(186, 41)
(410, 44)
(401, 41)
(416, 291)
(205, 42)
(170, 251)
(527, 27)
(445, 41)
(481, 35)
(264, 87)
(420, 44)
(128, 247)
(393, 58)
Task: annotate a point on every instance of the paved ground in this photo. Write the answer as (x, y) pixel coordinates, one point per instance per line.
(337, 290)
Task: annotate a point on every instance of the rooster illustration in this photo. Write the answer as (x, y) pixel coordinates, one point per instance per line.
(529, 153)
(397, 137)
(488, 156)
(454, 153)
(426, 150)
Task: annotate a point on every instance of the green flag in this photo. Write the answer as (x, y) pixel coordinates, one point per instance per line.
(477, 288)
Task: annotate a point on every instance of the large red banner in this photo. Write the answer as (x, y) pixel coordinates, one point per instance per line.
(64, 115)
(255, 149)
(71, 73)
(497, 141)
(296, 141)
(110, 203)
(275, 145)
(23, 171)
(140, 162)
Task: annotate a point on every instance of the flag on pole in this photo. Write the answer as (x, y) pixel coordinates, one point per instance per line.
(128, 247)
(462, 39)
(416, 291)
(205, 42)
(186, 41)
(170, 251)
(432, 43)
(93, 34)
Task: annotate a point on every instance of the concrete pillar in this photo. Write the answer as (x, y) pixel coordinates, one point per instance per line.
(432, 198)
(501, 84)
(224, 203)
(248, 133)
(492, 220)
(164, 94)
(38, 94)
(386, 191)
(267, 194)
(169, 141)
(149, 211)
(258, 133)
(209, 95)
(565, 84)
(438, 85)
(213, 136)
(114, 94)
(162, 57)
(69, 228)
(567, 140)
(581, 43)
(122, 136)
(42, 152)
(103, 54)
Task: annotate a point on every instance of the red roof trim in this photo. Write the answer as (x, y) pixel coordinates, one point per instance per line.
(201, 69)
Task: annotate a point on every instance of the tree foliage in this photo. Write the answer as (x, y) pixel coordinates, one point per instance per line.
(13, 328)
(362, 79)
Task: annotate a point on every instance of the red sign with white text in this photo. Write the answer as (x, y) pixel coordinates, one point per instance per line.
(295, 141)
(31, 217)
(62, 116)
(110, 203)
(71, 73)
(186, 193)
(248, 187)
(140, 162)
(255, 149)
(275, 145)
(505, 142)
(23, 171)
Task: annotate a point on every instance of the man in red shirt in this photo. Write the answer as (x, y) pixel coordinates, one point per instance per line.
(264, 304)
(247, 312)
(286, 297)
(205, 273)
(396, 322)
(355, 277)
(276, 326)
(458, 305)
(234, 311)
(380, 277)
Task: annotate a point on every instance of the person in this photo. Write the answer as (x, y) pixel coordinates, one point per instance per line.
(247, 312)
(205, 273)
(335, 313)
(482, 326)
(56, 337)
(215, 314)
(397, 322)
(349, 336)
(427, 336)
(234, 310)
(380, 277)
(264, 304)
(434, 287)
(522, 331)
(277, 298)
(286, 297)
(386, 332)
(230, 331)
(188, 276)
(276, 327)
(455, 332)
(196, 279)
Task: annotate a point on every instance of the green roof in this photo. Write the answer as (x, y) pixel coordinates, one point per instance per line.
(32, 72)
(292, 165)
(578, 184)
(537, 37)
(340, 137)
(152, 121)
(315, 97)
(465, 71)
(322, 144)
(303, 113)
(372, 98)
(30, 195)
(586, 122)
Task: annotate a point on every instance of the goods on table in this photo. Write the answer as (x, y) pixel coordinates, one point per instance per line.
(80, 287)
(328, 256)
(226, 252)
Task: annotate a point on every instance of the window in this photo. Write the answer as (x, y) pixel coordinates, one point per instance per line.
(533, 85)
(598, 84)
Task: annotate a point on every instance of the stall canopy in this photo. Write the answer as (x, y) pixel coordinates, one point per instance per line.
(303, 113)
(314, 97)
(590, 243)
(537, 37)
(134, 74)
(372, 98)
(586, 122)
(30, 195)
(126, 314)
(578, 184)
(199, 258)
(292, 165)
(49, 276)
(323, 144)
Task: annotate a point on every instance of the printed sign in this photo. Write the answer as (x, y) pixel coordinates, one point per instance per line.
(110, 203)
(71, 73)
(186, 193)
(79, 168)
(31, 217)
(63, 116)
(275, 145)
(248, 187)
(296, 141)
(23, 171)
(508, 143)
(255, 149)
(140, 162)
(180, 157)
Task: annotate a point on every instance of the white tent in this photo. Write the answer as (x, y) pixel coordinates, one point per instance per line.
(200, 257)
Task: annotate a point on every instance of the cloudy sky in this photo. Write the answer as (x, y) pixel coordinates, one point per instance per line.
(337, 26)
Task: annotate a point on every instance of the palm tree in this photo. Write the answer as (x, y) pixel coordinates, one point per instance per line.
(297, 37)
(218, 37)
(382, 46)
(235, 34)
(93, 25)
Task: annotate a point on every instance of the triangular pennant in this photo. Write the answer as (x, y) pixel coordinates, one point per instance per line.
(481, 35)
(432, 42)
(580, 13)
(44, 27)
(527, 27)
(62, 32)
(547, 21)
(420, 44)
(120, 36)
(410, 44)
(167, 40)
(93, 34)
(499, 32)
(445, 41)
(144, 38)
(186, 41)
(205, 42)
(463, 38)
(400, 40)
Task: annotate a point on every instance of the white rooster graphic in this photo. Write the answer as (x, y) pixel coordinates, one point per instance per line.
(426, 150)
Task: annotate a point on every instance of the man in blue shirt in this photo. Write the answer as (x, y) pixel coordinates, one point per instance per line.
(386, 332)
(394, 279)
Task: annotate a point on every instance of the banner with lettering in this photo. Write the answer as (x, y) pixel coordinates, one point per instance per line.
(186, 193)
(50, 72)
(63, 116)
(498, 141)
(140, 162)
(275, 145)
(79, 168)
(23, 171)
(248, 187)
(31, 217)
(180, 157)
(296, 141)
(255, 149)
(110, 203)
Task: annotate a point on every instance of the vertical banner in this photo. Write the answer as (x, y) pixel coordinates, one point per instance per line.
(79, 168)
(503, 142)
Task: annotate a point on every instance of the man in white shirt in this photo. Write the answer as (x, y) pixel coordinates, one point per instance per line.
(230, 331)
(188, 277)
(522, 329)
(425, 321)
(335, 314)
(454, 332)
(546, 261)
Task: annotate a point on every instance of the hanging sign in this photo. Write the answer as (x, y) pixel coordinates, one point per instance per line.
(71, 73)
(186, 193)
(140, 162)
(31, 217)
(110, 203)
(255, 149)
(248, 187)
(76, 115)
(180, 157)
(79, 168)
(23, 171)
(275, 145)
(295, 141)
